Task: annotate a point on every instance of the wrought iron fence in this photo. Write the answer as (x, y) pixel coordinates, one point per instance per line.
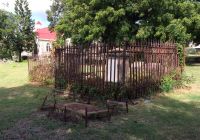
(136, 68)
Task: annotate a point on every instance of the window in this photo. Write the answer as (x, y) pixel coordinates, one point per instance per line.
(48, 48)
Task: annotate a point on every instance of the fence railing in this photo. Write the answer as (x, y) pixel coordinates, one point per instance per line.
(136, 68)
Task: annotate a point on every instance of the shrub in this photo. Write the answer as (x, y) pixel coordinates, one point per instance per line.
(167, 83)
(49, 81)
(41, 73)
(41, 70)
(62, 83)
(117, 92)
(76, 89)
(175, 79)
(92, 92)
(184, 80)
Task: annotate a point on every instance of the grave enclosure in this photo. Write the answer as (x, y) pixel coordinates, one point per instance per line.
(136, 68)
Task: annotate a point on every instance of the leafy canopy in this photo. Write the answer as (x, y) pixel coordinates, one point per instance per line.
(24, 35)
(16, 31)
(7, 27)
(126, 20)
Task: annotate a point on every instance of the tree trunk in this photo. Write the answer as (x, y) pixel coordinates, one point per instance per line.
(19, 56)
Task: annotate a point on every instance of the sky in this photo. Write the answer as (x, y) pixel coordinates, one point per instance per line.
(37, 7)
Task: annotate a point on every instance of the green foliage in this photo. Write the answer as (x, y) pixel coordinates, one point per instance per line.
(16, 30)
(175, 80)
(92, 92)
(85, 91)
(24, 35)
(4, 52)
(167, 83)
(181, 55)
(62, 82)
(49, 81)
(118, 21)
(76, 89)
(118, 93)
(184, 80)
(54, 13)
(6, 34)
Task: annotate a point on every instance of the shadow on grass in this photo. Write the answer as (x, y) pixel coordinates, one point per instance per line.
(163, 118)
(19, 102)
(192, 64)
(166, 118)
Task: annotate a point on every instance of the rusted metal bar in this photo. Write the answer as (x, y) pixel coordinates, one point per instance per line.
(109, 113)
(65, 114)
(86, 117)
(54, 96)
(126, 106)
(44, 101)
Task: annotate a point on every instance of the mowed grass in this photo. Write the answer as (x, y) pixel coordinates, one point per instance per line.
(18, 98)
(171, 116)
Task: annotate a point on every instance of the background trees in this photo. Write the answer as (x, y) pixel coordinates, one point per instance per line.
(16, 31)
(7, 26)
(24, 35)
(116, 21)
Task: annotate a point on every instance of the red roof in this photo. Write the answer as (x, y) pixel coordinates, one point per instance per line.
(45, 34)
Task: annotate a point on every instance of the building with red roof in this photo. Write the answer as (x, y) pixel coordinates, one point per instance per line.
(45, 34)
(44, 39)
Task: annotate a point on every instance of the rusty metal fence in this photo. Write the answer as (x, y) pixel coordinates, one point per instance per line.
(136, 68)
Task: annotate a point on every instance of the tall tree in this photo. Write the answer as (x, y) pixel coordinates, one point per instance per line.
(54, 14)
(126, 20)
(6, 33)
(24, 35)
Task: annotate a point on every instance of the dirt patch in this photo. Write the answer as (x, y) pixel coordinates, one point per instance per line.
(24, 130)
(80, 107)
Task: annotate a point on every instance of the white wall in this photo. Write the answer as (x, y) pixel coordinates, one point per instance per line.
(41, 46)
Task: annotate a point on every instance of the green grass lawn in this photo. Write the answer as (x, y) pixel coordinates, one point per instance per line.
(175, 115)
(18, 99)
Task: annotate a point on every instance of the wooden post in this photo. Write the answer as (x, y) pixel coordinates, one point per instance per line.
(126, 106)
(28, 67)
(86, 117)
